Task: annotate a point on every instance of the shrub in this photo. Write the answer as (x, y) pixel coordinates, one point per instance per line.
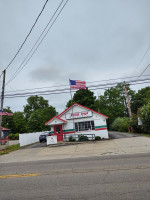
(71, 139)
(97, 138)
(121, 124)
(83, 138)
(145, 114)
(13, 136)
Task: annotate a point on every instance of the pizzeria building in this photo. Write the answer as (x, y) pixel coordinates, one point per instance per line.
(78, 120)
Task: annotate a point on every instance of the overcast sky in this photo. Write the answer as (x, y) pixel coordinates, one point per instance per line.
(91, 40)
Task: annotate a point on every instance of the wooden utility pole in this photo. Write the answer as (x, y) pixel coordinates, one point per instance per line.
(129, 106)
(2, 101)
(128, 101)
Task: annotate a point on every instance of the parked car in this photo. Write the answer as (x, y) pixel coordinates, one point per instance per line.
(43, 137)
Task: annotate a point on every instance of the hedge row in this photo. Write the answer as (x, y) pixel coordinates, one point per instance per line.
(13, 136)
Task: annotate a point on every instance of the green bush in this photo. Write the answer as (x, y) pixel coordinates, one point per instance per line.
(121, 124)
(97, 138)
(83, 138)
(13, 136)
(145, 114)
(71, 139)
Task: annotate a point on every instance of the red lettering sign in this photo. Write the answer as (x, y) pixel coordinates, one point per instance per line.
(84, 113)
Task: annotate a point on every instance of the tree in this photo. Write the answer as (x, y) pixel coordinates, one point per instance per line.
(140, 99)
(38, 118)
(113, 102)
(34, 103)
(19, 123)
(83, 97)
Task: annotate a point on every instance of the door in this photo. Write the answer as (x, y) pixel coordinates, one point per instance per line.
(59, 132)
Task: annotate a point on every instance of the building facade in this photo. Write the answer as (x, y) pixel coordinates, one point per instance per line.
(78, 120)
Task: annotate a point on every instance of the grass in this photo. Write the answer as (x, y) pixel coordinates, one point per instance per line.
(9, 149)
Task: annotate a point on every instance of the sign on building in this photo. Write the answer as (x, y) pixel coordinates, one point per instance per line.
(79, 115)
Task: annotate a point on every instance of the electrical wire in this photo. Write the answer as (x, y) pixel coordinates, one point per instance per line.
(67, 85)
(142, 58)
(22, 66)
(143, 71)
(64, 90)
(27, 36)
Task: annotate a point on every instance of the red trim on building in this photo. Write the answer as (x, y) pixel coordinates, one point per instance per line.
(100, 129)
(55, 117)
(69, 132)
(83, 107)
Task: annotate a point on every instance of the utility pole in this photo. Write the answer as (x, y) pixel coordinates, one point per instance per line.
(2, 101)
(128, 101)
(129, 106)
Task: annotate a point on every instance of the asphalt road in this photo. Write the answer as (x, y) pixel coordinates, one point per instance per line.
(124, 177)
(117, 135)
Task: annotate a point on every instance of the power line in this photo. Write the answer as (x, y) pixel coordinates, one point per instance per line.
(64, 90)
(27, 36)
(67, 85)
(22, 66)
(144, 71)
(142, 58)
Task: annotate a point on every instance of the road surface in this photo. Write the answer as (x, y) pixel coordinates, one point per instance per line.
(123, 177)
(117, 135)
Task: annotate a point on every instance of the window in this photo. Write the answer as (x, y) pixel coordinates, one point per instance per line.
(57, 129)
(84, 126)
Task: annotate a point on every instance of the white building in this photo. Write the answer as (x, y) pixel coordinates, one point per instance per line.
(78, 120)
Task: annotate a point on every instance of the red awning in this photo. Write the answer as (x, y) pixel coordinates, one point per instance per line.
(5, 113)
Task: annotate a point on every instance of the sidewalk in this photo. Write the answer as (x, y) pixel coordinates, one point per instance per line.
(100, 148)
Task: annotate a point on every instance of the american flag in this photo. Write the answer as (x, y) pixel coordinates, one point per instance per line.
(76, 84)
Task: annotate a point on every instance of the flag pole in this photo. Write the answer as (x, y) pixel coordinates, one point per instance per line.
(72, 105)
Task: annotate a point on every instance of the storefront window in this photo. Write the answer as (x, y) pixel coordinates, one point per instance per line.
(84, 126)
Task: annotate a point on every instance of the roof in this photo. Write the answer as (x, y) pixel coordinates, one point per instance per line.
(58, 117)
(82, 107)
(5, 129)
(55, 117)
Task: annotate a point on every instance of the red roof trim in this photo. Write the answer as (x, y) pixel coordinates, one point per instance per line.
(54, 118)
(83, 107)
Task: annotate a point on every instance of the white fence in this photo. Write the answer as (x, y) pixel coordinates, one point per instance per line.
(29, 138)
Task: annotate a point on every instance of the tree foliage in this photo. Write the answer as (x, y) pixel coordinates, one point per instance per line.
(145, 114)
(19, 122)
(36, 112)
(34, 103)
(83, 97)
(36, 122)
(113, 102)
(121, 124)
(140, 99)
